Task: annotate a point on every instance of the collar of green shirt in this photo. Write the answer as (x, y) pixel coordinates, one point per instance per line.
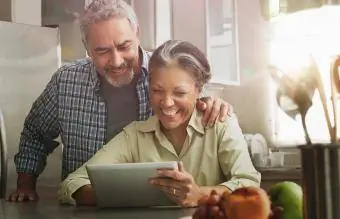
(153, 125)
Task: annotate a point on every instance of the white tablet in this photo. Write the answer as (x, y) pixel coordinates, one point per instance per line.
(126, 185)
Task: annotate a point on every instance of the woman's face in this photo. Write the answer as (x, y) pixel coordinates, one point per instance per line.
(173, 96)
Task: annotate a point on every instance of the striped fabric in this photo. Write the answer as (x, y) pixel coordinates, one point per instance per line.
(71, 107)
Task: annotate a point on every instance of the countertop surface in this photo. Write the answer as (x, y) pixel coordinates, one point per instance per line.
(50, 209)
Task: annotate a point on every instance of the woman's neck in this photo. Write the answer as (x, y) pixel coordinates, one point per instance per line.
(176, 137)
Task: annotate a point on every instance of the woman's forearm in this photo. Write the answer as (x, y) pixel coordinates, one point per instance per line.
(85, 196)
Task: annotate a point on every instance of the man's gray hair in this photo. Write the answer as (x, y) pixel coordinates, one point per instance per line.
(103, 10)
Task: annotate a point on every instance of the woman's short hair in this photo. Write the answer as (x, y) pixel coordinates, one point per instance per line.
(103, 10)
(184, 55)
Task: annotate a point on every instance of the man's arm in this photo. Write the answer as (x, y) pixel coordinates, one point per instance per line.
(36, 142)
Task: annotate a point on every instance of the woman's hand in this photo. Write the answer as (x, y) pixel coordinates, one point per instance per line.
(85, 195)
(179, 185)
(211, 207)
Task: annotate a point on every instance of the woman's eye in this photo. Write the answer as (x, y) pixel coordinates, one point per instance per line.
(156, 90)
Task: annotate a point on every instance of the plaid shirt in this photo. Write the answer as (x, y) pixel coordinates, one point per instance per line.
(71, 107)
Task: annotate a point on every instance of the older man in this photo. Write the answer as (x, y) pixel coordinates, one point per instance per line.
(88, 102)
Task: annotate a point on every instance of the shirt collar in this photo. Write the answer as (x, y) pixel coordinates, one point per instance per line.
(153, 125)
(195, 121)
(145, 63)
(94, 76)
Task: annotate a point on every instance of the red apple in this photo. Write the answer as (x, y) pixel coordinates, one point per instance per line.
(248, 203)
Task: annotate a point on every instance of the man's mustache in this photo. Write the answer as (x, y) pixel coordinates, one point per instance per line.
(112, 69)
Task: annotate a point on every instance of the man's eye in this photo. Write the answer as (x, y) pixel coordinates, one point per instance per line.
(180, 94)
(102, 51)
(125, 47)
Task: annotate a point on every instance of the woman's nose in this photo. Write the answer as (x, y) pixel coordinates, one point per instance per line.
(167, 101)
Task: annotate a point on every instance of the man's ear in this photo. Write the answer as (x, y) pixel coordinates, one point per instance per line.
(86, 47)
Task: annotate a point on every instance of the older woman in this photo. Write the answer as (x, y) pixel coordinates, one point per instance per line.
(213, 158)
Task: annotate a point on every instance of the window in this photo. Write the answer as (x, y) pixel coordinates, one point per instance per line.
(222, 47)
(155, 21)
(163, 21)
(293, 38)
(211, 26)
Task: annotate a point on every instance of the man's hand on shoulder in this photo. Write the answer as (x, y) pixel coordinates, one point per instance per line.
(25, 189)
(213, 108)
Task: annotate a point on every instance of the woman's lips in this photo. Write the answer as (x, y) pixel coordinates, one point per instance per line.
(169, 112)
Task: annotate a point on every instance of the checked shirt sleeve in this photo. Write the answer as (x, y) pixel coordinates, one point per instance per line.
(39, 131)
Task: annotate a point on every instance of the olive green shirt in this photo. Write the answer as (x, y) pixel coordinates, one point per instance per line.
(213, 156)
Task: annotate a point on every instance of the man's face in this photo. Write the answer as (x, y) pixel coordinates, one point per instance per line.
(113, 47)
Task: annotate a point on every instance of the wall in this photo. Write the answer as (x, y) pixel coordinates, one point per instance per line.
(252, 100)
(187, 25)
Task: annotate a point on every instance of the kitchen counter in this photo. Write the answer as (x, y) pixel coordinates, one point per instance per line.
(50, 209)
(278, 172)
(271, 176)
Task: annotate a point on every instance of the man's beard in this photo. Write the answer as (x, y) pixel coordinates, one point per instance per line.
(121, 80)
